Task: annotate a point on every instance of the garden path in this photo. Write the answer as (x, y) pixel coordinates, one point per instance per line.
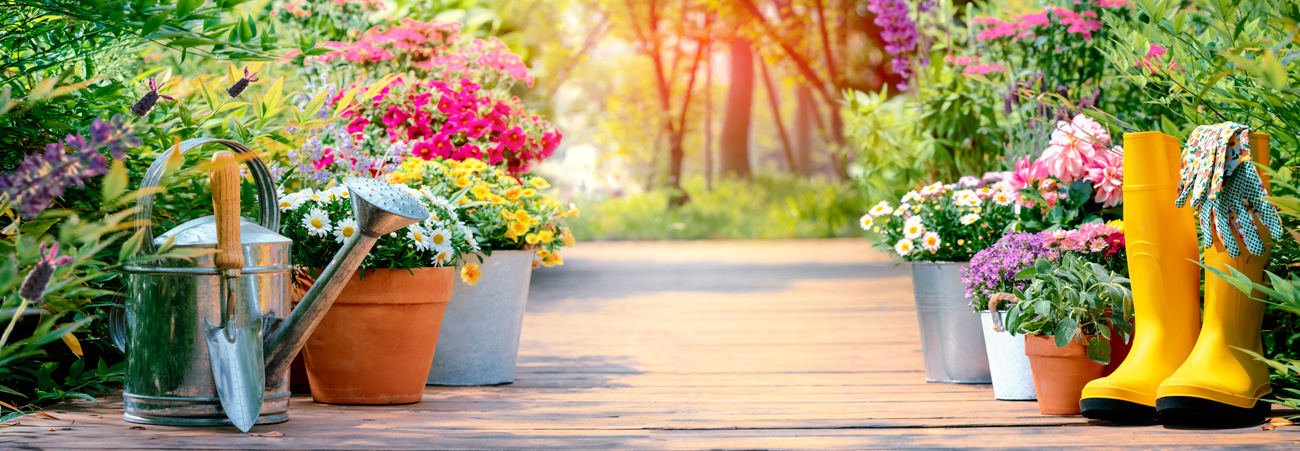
(789, 344)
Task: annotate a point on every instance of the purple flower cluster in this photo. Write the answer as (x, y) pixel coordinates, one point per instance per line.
(42, 177)
(898, 30)
(993, 270)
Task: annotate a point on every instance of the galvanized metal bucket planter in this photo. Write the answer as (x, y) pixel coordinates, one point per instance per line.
(951, 339)
(479, 341)
(1012, 378)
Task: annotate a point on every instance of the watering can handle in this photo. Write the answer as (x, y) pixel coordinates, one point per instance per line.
(268, 209)
(225, 206)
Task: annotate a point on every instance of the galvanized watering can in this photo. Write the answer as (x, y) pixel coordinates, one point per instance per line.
(169, 369)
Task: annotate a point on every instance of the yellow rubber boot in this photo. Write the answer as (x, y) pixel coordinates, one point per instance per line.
(1165, 280)
(1218, 385)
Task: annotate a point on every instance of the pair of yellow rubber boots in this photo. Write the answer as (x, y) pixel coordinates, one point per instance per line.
(1182, 369)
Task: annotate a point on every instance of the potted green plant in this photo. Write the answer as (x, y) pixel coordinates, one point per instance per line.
(518, 227)
(938, 228)
(378, 339)
(1070, 313)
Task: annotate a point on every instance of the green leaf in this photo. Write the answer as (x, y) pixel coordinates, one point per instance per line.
(132, 245)
(154, 23)
(1064, 332)
(1099, 350)
(185, 7)
(1272, 72)
(116, 180)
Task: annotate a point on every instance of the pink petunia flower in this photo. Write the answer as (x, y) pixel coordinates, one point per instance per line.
(514, 138)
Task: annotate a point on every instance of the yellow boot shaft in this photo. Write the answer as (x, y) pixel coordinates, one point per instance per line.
(1161, 247)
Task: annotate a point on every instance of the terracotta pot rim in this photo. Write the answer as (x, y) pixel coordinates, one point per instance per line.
(447, 272)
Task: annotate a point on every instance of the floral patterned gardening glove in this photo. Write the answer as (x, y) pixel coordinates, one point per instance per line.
(1219, 178)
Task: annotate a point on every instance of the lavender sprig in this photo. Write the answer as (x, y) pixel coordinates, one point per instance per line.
(42, 177)
(239, 86)
(150, 99)
(898, 30)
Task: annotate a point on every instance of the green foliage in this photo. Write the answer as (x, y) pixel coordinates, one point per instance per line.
(101, 244)
(1074, 298)
(1070, 210)
(768, 207)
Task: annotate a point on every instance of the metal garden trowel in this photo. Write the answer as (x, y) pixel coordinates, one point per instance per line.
(235, 348)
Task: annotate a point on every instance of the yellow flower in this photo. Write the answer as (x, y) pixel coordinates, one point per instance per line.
(470, 273)
(462, 181)
(518, 228)
(528, 192)
(462, 201)
(573, 211)
(543, 254)
(513, 193)
(532, 238)
(522, 216)
(567, 237)
(1117, 225)
(397, 177)
(552, 260)
(545, 236)
(540, 183)
(480, 192)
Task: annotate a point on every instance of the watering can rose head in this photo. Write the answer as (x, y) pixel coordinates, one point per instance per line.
(321, 221)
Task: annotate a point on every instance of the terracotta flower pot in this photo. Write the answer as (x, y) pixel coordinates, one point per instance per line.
(1059, 373)
(377, 341)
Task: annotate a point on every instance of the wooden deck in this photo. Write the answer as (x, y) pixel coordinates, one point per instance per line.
(807, 344)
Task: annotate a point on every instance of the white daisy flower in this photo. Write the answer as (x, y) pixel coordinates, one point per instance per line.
(911, 196)
(420, 236)
(913, 220)
(317, 223)
(345, 229)
(442, 257)
(901, 210)
(443, 203)
(931, 241)
(973, 201)
(439, 238)
(318, 196)
(913, 230)
(961, 195)
(984, 193)
(881, 209)
(865, 221)
(904, 246)
(1003, 198)
(969, 219)
(290, 201)
(931, 190)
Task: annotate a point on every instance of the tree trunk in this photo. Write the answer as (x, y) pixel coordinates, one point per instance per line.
(734, 145)
(803, 130)
(708, 121)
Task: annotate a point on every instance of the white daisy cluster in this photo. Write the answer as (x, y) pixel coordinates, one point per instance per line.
(435, 235)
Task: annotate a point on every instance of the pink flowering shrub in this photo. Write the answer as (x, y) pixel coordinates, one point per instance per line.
(432, 50)
(455, 120)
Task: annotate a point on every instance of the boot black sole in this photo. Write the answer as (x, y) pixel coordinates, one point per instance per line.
(1204, 413)
(1116, 411)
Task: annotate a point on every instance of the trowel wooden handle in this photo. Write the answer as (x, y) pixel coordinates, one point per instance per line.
(225, 205)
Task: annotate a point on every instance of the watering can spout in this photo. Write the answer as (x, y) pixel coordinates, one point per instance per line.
(380, 208)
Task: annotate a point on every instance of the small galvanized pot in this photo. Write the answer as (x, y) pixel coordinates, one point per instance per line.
(479, 341)
(951, 339)
(1009, 366)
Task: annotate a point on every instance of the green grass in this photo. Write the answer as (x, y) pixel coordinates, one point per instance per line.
(770, 206)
